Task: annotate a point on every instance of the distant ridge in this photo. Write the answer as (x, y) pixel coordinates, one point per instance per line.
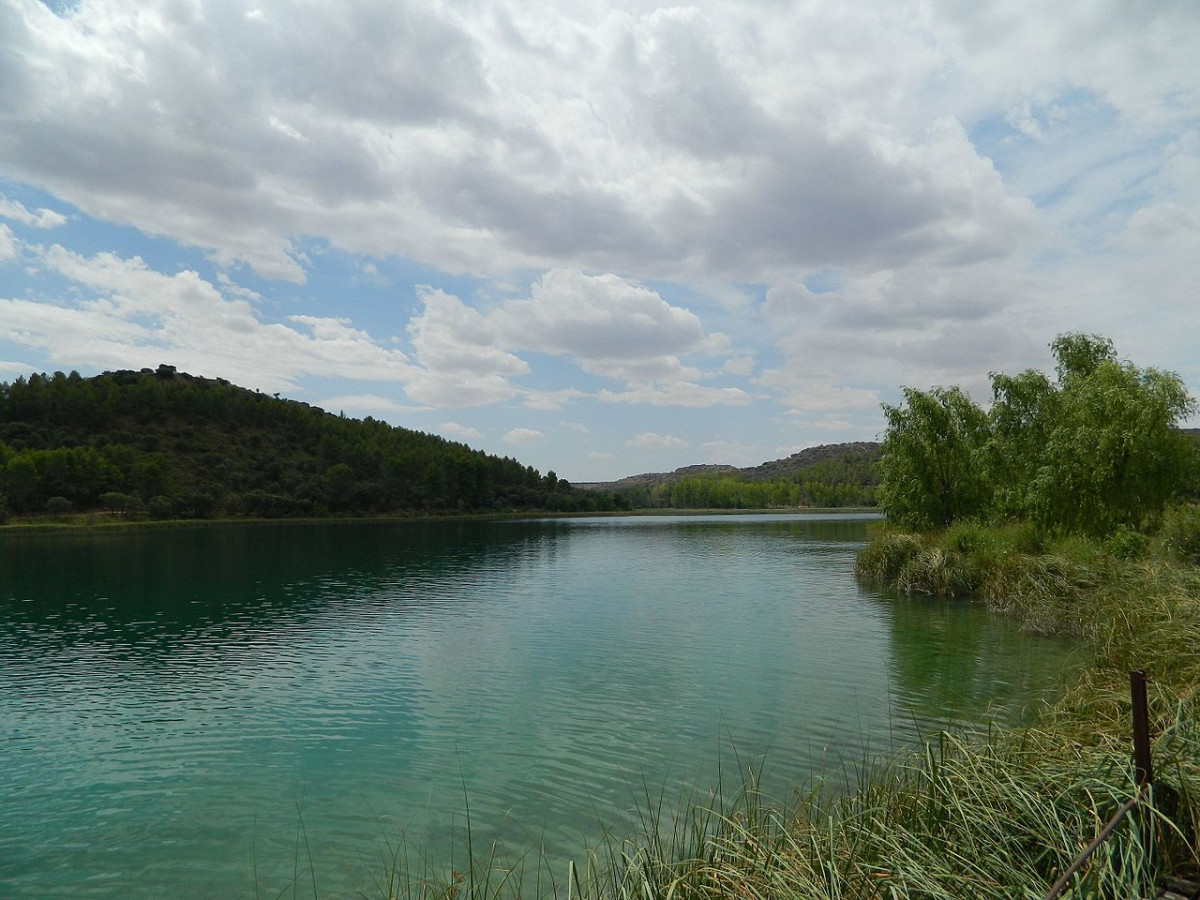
(784, 468)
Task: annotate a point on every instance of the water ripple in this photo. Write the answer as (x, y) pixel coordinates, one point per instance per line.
(183, 709)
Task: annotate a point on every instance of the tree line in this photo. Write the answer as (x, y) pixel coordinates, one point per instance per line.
(165, 444)
(1093, 450)
(849, 481)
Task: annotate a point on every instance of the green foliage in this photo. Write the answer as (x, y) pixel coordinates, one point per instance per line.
(931, 465)
(58, 506)
(886, 555)
(1095, 451)
(1125, 543)
(1023, 414)
(1113, 456)
(165, 444)
(848, 481)
(1180, 532)
(117, 502)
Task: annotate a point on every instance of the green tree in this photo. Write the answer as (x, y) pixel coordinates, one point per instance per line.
(59, 506)
(21, 482)
(339, 486)
(1092, 452)
(1023, 414)
(1112, 455)
(932, 459)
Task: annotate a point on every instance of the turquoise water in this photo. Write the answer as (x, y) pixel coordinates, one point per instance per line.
(183, 712)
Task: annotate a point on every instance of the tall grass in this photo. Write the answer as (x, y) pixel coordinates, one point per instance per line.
(970, 816)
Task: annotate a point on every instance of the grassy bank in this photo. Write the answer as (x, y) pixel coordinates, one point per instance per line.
(996, 815)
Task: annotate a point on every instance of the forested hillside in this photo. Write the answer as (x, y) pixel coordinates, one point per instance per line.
(831, 475)
(164, 444)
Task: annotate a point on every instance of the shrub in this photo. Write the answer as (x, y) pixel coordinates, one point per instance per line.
(1125, 543)
(160, 507)
(886, 556)
(58, 506)
(968, 536)
(115, 501)
(1180, 532)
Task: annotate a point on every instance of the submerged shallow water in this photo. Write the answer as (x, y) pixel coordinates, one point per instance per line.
(183, 712)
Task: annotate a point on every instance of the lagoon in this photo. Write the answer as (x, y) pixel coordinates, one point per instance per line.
(192, 712)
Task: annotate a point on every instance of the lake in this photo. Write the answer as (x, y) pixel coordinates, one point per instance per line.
(184, 710)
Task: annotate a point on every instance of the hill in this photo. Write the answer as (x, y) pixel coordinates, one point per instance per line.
(825, 476)
(789, 467)
(165, 444)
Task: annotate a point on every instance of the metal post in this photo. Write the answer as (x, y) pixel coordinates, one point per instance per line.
(1143, 767)
(1143, 775)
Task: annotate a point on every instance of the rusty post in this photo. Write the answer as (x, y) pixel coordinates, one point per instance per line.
(1143, 775)
(1143, 767)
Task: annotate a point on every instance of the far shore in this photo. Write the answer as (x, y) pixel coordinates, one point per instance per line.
(108, 522)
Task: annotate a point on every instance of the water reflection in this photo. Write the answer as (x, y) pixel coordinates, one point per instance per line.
(953, 663)
(144, 594)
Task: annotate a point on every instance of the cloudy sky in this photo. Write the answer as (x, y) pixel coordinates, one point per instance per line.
(602, 236)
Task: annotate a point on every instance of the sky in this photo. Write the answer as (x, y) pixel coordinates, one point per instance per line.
(603, 238)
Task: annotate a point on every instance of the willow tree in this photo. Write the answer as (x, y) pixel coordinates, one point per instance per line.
(1094, 449)
(931, 467)
(1112, 453)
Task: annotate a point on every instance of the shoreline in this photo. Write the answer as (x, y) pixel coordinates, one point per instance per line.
(95, 522)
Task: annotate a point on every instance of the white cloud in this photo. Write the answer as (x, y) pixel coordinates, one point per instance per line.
(460, 432)
(365, 404)
(673, 142)
(727, 452)
(649, 440)
(456, 391)
(607, 325)
(811, 397)
(523, 436)
(461, 361)
(598, 318)
(8, 244)
(133, 316)
(576, 427)
(741, 366)
(232, 288)
(43, 218)
(14, 369)
(679, 394)
(551, 400)
(451, 337)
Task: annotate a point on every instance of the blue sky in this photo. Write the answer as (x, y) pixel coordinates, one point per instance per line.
(602, 237)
